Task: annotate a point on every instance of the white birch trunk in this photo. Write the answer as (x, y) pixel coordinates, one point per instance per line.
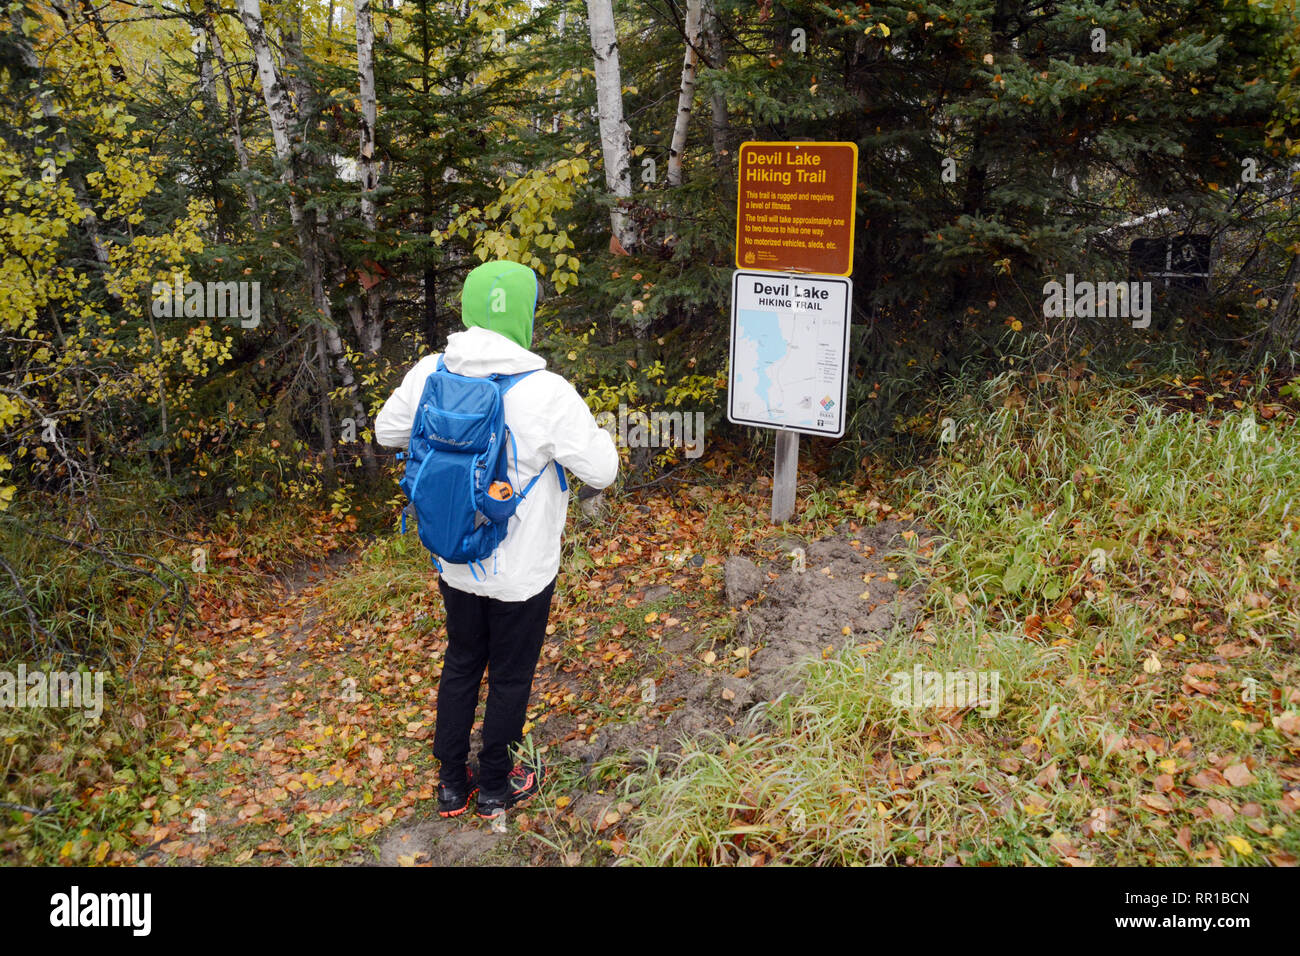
(372, 338)
(277, 103)
(279, 112)
(203, 56)
(232, 108)
(615, 143)
(89, 222)
(686, 95)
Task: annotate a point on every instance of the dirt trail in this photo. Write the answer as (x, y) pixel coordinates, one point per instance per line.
(847, 590)
(310, 744)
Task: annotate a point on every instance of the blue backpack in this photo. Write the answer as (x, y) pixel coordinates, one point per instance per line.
(456, 464)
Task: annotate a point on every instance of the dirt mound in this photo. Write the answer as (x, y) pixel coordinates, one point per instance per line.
(849, 587)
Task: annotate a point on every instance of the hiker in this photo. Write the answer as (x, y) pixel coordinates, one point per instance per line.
(497, 607)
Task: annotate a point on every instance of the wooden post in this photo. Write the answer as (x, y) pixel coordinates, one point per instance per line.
(785, 475)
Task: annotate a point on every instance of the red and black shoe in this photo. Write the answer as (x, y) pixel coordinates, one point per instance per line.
(523, 783)
(454, 800)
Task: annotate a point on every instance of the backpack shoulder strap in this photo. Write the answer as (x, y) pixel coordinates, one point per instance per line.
(559, 473)
(529, 487)
(507, 382)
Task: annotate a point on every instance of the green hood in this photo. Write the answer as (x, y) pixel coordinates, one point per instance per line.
(501, 296)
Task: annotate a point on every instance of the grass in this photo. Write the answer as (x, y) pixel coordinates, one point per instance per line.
(392, 574)
(1097, 550)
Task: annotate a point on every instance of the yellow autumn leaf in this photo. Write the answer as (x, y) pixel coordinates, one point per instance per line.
(1240, 845)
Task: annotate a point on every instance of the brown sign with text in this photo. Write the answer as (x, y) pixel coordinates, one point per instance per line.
(795, 205)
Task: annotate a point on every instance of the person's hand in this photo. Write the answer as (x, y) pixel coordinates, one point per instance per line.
(591, 502)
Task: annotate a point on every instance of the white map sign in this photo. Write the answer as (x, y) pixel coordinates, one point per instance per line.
(789, 351)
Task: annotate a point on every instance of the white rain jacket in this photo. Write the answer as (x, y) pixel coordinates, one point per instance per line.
(549, 421)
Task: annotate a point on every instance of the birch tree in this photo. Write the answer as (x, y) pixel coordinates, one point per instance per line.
(280, 113)
(50, 111)
(372, 327)
(686, 94)
(232, 108)
(615, 139)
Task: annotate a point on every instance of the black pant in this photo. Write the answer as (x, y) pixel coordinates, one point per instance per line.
(506, 638)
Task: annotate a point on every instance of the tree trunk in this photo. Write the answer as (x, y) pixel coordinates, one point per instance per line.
(279, 112)
(429, 285)
(717, 53)
(323, 406)
(1284, 328)
(615, 143)
(686, 95)
(616, 147)
(207, 80)
(277, 105)
(232, 109)
(373, 324)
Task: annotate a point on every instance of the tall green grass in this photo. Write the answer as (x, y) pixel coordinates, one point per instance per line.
(1082, 535)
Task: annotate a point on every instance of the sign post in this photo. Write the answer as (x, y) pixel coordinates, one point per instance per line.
(791, 297)
(785, 476)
